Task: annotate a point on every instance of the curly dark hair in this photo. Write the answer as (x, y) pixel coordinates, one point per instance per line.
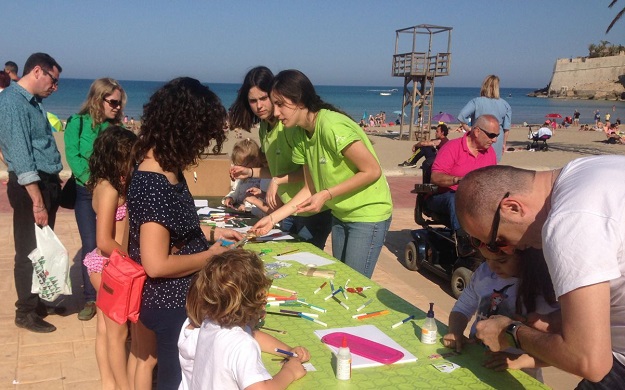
(111, 159)
(231, 290)
(179, 122)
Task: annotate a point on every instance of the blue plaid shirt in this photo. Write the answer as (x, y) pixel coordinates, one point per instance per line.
(26, 137)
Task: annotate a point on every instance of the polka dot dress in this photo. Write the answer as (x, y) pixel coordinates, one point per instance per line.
(152, 198)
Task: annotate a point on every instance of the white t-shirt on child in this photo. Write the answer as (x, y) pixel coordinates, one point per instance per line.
(187, 343)
(225, 359)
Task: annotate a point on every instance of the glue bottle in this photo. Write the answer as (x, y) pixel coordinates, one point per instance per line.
(344, 362)
(429, 330)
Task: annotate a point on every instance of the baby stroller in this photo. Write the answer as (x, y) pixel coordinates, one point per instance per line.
(433, 248)
(539, 140)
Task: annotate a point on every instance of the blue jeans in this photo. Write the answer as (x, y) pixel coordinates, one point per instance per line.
(85, 219)
(358, 244)
(166, 324)
(314, 229)
(445, 204)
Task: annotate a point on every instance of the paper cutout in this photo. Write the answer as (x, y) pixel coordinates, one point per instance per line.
(370, 332)
(200, 202)
(306, 258)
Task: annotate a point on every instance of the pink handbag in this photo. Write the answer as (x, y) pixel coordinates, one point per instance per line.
(120, 292)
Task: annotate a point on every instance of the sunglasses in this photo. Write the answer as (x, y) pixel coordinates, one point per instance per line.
(493, 246)
(486, 133)
(113, 103)
(55, 81)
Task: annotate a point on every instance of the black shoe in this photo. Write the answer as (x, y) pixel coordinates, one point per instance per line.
(43, 311)
(34, 323)
(402, 164)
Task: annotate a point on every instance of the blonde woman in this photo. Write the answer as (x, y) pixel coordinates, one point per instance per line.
(489, 102)
(103, 107)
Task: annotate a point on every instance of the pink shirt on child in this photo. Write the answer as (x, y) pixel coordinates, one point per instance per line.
(455, 159)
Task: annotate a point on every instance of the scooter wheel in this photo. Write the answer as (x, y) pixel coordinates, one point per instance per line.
(411, 258)
(460, 280)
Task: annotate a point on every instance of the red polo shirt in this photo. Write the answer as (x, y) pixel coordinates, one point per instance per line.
(455, 159)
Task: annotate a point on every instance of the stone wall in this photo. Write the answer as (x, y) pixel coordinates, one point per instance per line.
(589, 78)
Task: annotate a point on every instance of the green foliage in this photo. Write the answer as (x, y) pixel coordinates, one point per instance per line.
(604, 49)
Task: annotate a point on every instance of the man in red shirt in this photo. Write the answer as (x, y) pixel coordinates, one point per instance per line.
(459, 157)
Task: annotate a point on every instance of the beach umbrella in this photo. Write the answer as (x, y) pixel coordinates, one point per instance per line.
(364, 115)
(55, 122)
(553, 116)
(443, 117)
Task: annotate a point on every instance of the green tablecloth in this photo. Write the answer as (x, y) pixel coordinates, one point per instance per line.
(417, 375)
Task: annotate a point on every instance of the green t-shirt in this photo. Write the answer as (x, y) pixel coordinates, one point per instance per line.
(322, 153)
(78, 151)
(277, 144)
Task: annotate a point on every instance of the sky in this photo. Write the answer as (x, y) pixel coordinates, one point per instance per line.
(339, 42)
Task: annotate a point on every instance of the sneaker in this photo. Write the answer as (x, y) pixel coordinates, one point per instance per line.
(34, 323)
(88, 311)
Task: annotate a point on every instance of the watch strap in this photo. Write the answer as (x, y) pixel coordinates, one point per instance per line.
(512, 330)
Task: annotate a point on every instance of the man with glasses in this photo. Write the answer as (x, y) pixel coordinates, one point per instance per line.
(583, 239)
(34, 164)
(459, 157)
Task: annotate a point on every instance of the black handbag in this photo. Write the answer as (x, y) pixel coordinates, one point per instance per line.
(68, 193)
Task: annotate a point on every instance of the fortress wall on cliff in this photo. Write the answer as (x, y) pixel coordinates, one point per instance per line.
(589, 78)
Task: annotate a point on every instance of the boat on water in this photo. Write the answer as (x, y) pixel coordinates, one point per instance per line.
(385, 93)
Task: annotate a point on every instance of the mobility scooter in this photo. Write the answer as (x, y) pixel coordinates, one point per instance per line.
(434, 248)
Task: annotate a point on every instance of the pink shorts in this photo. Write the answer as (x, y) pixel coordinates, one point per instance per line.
(94, 262)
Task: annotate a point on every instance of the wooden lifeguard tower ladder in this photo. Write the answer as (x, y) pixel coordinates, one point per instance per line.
(421, 69)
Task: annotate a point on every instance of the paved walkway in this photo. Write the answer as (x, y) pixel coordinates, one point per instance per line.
(65, 359)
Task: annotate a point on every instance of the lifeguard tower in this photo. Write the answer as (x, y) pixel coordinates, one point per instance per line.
(421, 69)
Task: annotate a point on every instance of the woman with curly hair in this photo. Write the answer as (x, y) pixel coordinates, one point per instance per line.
(179, 122)
(110, 166)
(277, 144)
(104, 107)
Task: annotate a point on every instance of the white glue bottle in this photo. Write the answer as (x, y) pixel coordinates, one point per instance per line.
(429, 331)
(344, 362)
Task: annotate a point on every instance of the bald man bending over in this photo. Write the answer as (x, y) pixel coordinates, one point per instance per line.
(576, 215)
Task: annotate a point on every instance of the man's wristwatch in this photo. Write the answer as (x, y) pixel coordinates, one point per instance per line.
(511, 331)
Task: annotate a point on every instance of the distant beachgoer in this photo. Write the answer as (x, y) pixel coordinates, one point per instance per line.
(576, 118)
(126, 120)
(344, 172)
(5, 80)
(607, 119)
(11, 69)
(132, 123)
(103, 107)
(489, 102)
(597, 117)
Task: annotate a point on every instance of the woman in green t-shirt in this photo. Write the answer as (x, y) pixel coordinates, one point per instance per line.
(276, 143)
(341, 171)
(103, 107)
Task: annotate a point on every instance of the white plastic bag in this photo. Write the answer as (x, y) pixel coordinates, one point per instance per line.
(50, 266)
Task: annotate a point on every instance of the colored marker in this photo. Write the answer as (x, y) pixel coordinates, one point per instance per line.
(273, 330)
(320, 287)
(284, 289)
(299, 312)
(343, 304)
(346, 283)
(400, 323)
(344, 293)
(333, 294)
(365, 304)
(379, 313)
(287, 252)
(320, 309)
(331, 285)
(288, 353)
(313, 320)
(366, 314)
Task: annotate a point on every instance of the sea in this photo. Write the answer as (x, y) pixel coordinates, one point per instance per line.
(357, 101)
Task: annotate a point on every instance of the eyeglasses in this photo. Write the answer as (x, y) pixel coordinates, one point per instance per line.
(113, 103)
(55, 81)
(493, 246)
(486, 133)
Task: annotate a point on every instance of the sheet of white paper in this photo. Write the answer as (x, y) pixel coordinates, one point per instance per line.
(370, 332)
(309, 367)
(200, 202)
(306, 258)
(274, 235)
(207, 210)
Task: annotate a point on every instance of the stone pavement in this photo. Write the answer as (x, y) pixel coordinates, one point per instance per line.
(65, 359)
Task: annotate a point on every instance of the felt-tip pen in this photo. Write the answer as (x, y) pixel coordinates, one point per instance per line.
(365, 304)
(288, 353)
(316, 321)
(320, 287)
(400, 323)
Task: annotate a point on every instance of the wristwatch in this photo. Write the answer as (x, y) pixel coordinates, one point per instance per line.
(511, 331)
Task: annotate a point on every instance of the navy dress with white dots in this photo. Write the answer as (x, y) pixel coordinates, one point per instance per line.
(152, 198)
